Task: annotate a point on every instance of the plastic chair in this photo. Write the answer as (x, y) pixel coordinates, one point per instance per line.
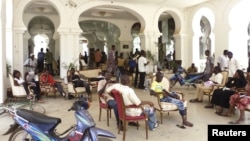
(104, 106)
(122, 114)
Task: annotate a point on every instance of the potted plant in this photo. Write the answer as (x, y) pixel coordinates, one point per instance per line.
(72, 64)
(8, 69)
(152, 59)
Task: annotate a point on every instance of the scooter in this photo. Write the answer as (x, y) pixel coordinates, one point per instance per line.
(34, 126)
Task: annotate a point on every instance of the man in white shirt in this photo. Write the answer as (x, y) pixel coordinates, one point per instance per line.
(31, 63)
(216, 78)
(233, 65)
(223, 60)
(131, 98)
(142, 63)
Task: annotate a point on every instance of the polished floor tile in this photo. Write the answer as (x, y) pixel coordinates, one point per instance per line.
(197, 114)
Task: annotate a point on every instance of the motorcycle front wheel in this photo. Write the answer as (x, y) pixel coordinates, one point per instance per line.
(20, 135)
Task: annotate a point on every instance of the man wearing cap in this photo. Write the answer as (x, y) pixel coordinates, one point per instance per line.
(30, 63)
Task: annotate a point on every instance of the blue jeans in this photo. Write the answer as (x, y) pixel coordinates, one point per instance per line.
(177, 77)
(191, 78)
(151, 118)
(177, 102)
(112, 104)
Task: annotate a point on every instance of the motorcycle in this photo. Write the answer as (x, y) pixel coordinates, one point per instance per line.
(34, 126)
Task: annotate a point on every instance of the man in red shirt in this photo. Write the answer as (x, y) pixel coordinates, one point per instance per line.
(49, 79)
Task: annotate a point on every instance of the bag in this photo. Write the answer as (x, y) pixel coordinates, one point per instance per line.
(132, 64)
(208, 84)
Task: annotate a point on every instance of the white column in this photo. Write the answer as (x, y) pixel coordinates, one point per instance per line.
(18, 51)
(63, 52)
(181, 53)
(69, 50)
(149, 42)
(3, 53)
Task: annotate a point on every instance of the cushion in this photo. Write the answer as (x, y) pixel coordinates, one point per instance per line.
(166, 106)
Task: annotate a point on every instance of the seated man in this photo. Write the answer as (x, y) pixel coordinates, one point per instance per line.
(192, 69)
(216, 78)
(105, 97)
(78, 82)
(130, 97)
(165, 96)
(35, 85)
(47, 78)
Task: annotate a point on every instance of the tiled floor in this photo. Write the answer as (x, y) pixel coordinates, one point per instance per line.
(197, 114)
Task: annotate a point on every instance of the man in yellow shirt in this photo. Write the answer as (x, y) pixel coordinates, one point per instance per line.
(157, 88)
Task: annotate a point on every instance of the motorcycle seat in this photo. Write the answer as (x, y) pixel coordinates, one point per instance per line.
(38, 118)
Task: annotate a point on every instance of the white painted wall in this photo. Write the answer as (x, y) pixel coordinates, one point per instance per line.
(226, 36)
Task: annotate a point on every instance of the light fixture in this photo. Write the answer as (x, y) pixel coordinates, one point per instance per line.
(102, 13)
(71, 3)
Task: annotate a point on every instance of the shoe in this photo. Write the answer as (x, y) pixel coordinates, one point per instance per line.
(195, 101)
(223, 114)
(209, 106)
(194, 85)
(156, 125)
(121, 127)
(40, 101)
(133, 124)
(29, 97)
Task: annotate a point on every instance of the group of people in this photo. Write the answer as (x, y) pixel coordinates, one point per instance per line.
(235, 93)
(37, 73)
(42, 57)
(106, 86)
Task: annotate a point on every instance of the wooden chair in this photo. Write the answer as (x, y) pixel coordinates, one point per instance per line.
(166, 107)
(209, 92)
(125, 118)
(104, 106)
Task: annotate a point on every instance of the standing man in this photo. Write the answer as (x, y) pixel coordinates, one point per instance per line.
(49, 61)
(223, 60)
(40, 60)
(233, 65)
(112, 60)
(142, 63)
(208, 71)
(98, 57)
(137, 56)
(31, 63)
(248, 67)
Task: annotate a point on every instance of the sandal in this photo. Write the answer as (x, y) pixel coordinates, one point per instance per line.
(223, 114)
(209, 106)
(232, 122)
(134, 124)
(187, 123)
(195, 101)
(181, 126)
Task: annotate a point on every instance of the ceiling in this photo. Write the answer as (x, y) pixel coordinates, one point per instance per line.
(41, 7)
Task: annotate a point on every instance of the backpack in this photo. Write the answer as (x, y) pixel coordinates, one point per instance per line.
(40, 56)
(132, 63)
